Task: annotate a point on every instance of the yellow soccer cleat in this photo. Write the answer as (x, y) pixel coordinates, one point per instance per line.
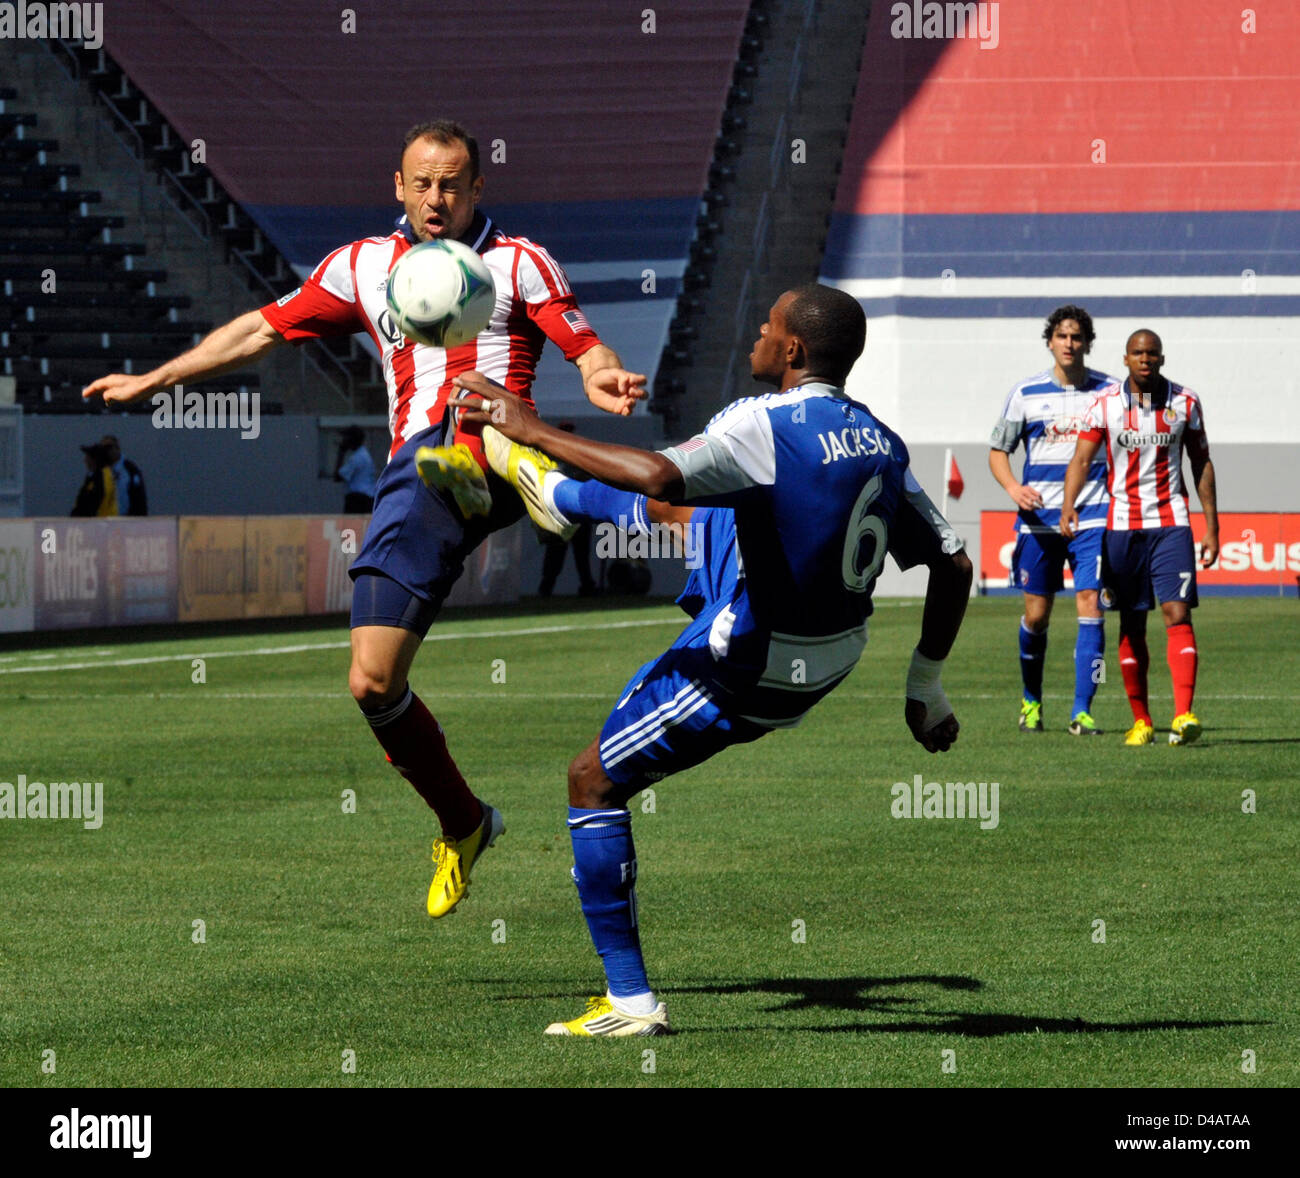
(1031, 717)
(525, 469)
(1140, 733)
(454, 858)
(602, 1018)
(455, 469)
(1083, 725)
(1185, 729)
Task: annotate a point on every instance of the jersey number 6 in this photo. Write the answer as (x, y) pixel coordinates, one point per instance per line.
(861, 524)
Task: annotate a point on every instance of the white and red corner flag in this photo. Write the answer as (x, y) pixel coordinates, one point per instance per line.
(952, 474)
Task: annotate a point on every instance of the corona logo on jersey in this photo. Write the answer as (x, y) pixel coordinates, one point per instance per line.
(1129, 439)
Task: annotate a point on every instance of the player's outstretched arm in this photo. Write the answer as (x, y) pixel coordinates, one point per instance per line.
(926, 709)
(230, 346)
(1076, 474)
(608, 385)
(625, 467)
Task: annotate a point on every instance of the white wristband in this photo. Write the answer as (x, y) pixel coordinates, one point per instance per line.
(923, 686)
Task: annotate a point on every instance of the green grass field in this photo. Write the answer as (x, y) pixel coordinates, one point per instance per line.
(223, 803)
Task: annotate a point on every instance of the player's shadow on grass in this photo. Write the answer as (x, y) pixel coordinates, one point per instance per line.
(861, 995)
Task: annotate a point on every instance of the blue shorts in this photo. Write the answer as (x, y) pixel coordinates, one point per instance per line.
(1148, 565)
(1038, 563)
(667, 720)
(417, 542)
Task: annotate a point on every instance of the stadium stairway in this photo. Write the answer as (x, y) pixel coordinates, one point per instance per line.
(768, 231)
(136, 281)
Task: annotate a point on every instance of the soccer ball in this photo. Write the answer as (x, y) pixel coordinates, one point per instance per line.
(440, 293)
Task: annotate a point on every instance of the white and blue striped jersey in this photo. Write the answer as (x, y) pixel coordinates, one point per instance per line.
(818, 491)
(1047, 417)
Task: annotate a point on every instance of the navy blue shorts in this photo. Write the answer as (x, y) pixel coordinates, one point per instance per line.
(667, 720)
(1146, 566)
(417, 542)
(1038, 562)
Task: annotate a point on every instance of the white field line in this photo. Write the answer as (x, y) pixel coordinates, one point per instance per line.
(299, 648)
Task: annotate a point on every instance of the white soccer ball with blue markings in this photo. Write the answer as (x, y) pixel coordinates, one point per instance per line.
(440, 293)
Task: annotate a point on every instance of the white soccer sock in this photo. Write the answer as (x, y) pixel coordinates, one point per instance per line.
(548, 495)
(638, 1004)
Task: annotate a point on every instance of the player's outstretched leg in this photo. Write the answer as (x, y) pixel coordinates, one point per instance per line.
(1089, 657)
(525, 469)
(1134, 660)
(555, 502)
(604, 868)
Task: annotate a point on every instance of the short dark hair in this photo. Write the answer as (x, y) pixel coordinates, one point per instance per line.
(832, 326)
(443, 131)
(1070, 311)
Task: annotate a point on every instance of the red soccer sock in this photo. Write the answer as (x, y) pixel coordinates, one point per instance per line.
(1134, 659)
(417, 749)
(1181, 653)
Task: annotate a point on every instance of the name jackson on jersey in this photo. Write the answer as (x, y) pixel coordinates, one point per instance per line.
(852, 442)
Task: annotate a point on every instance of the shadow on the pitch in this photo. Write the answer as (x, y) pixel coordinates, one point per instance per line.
(861, 995)
(835, 993)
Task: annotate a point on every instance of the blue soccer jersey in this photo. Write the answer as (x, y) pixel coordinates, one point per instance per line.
(819, 491)
(1047, 417)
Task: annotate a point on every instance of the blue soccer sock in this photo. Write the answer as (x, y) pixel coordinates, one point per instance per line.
(597, 502)
(604, 868)
(1032, 649)
(1089, 662)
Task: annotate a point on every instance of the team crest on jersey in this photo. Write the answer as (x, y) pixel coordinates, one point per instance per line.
(388, 329)
(1171, 415)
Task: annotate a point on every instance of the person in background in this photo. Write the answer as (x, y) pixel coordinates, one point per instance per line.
(356, 468)
(128, 481)
(98, 493)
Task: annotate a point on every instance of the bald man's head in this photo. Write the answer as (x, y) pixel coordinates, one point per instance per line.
(1155, 339)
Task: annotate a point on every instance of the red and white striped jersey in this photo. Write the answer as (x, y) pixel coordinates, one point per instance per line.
(347, 293)
(1144, 453)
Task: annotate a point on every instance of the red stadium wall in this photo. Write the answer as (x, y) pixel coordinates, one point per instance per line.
(1193, 112)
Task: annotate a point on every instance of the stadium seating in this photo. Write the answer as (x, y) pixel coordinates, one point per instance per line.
(103, 312)
(605, 168)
